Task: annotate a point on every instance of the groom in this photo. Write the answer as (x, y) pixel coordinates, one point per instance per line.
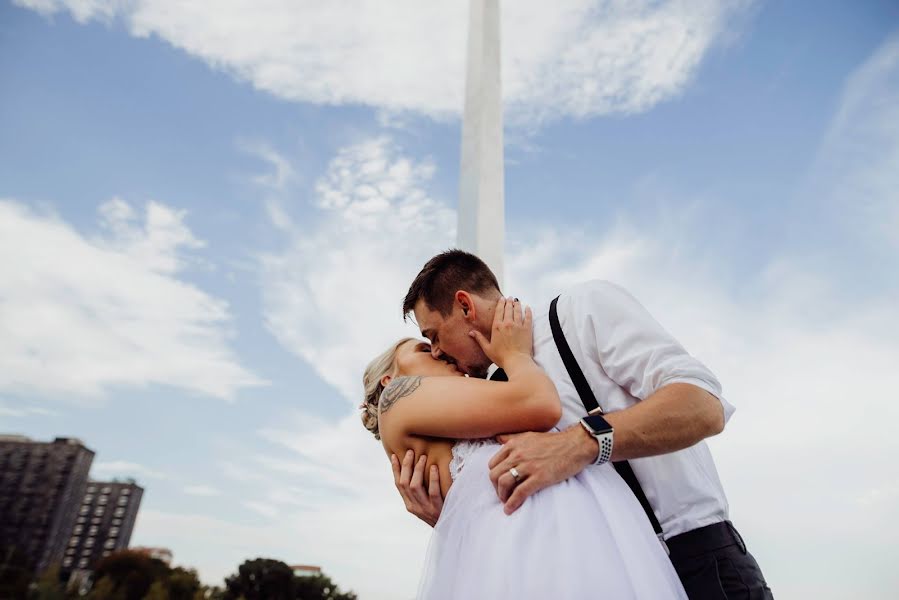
(657, 402)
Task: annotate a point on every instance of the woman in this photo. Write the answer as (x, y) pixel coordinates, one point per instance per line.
(586, 537)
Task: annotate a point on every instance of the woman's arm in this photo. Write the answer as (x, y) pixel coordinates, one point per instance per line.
(464, 407)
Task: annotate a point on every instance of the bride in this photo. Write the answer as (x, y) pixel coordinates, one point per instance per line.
(583, 538)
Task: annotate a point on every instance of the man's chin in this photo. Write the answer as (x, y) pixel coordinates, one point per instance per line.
(476, 372)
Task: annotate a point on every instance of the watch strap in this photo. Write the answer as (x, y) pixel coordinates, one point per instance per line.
(604, 439)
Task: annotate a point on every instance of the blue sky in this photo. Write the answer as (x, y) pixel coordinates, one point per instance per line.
(208, 217)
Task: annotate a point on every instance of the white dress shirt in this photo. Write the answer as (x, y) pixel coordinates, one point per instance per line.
(626, 356)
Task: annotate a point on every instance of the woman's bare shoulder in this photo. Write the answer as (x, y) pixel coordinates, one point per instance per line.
(396, 390)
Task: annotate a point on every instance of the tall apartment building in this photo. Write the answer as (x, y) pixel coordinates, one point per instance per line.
(104, 523)
(41, 485)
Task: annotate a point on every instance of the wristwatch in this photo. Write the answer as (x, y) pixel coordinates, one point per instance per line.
(599, 428)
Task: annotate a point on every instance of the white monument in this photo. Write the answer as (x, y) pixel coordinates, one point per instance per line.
(481, 199)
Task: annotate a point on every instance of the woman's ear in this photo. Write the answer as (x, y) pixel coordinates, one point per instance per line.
(385, 381)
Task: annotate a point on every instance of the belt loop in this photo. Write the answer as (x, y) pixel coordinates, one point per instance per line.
(737, 537)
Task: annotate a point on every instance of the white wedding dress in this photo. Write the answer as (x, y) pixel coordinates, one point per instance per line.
(587, 538)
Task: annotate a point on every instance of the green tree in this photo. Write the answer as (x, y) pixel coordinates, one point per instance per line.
(183, 584)
(261, 579)
(105, 589)
(210, 593)
(157, 591)
(131, 573)
(48, 586)
(320, 587)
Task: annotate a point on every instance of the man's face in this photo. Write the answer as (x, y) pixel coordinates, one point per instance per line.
(450, 340)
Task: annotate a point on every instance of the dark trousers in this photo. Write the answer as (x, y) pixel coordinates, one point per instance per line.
(713, 564)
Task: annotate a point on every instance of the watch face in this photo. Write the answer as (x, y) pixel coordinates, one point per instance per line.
(597, 424)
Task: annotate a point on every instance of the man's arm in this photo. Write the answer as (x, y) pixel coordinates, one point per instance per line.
(680, 403)
(675, 417)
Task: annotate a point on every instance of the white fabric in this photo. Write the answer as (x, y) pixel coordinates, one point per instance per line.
(584, 538)
(626, 356)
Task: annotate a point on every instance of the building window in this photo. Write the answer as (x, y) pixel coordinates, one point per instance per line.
(113, 531)
(89, 543)
(102, 500)
(67, 562)
(74, 541)
(126, 492)
(123, 500)
(70, 551)
(106, 553)
(82, 563)
(84, 510)
(91, 489)
(109, 544)
(92, 530)
(119, 512)
(88, 499)
(99, 512)
(81, 520)
(106, 490)
(116, 522)
(78, 529)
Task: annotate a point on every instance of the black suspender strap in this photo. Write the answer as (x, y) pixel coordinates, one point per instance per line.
(589, 399)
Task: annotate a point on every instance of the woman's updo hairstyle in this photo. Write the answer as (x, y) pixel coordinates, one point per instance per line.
(371, 380)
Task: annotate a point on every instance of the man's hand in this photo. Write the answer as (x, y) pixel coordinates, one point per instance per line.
(541, 459)
(424, 504)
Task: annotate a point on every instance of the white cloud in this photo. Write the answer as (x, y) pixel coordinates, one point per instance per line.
(334, 295)
(25, 411)
(124, 468)
(280, 172)
(82, 315)
(266, 510)
(858, 165)
(572, 58)
(202, 490)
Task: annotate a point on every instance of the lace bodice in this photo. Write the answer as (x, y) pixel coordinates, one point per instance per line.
(462, 450)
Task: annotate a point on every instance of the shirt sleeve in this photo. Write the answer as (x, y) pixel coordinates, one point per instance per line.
(632, 348)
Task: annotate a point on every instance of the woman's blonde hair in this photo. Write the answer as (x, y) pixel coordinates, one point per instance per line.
(382, 365)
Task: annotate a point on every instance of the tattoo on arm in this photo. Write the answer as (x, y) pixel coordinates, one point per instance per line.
(400, 387)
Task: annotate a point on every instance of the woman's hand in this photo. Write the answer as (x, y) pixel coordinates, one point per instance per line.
(511, 336)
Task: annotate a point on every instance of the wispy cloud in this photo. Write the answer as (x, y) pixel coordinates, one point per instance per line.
(280, 172)
(124, 468)
(26, 411)
(376, 226)
(202, 490)
(81, 315)
(574, 58)
(858, 164)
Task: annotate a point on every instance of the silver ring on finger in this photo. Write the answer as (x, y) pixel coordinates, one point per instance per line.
(515, 474)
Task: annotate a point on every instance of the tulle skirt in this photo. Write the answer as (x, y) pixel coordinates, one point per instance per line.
(584, 538)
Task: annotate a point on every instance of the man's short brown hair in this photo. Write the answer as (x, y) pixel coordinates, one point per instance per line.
(445, 274)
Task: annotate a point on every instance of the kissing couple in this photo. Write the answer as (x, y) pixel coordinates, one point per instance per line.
(577, 469)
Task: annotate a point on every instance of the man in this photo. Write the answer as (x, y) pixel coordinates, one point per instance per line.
(660, 403)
